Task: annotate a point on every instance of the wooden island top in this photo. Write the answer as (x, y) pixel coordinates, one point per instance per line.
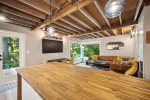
(59, 81)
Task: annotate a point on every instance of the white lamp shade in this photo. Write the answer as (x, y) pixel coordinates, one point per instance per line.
(50, 31)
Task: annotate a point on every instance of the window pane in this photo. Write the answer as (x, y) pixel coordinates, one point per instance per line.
(10, 52)
(75, 50)
(91, 49)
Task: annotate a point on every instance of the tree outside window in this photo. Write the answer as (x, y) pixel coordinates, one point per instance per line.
(75, 50)
(91, 49)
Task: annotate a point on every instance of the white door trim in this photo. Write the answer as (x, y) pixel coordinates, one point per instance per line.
(21, 44)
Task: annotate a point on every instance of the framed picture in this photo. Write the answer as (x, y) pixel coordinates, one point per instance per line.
(148, 37)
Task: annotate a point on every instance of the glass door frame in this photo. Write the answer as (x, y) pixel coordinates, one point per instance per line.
(21, 37)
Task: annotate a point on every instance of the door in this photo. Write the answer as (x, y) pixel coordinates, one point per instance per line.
(11, 52)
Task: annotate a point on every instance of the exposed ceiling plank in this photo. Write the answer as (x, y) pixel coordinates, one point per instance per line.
(80, 21)
(58, 27)
(101, 12)
(114, 31)
(89, 36)
(62, 31)
(95, 36)
(67, 26)
(23, 8)
(138, 9)
(100, 34)
(110, 28)
(64, 12)
(90, 17)
(72, 24)
(122, 32)
(107, 33)
(20, 23)
(146, 2)
(19, 18)
(19, 13)
(53, 3)
(37, 5)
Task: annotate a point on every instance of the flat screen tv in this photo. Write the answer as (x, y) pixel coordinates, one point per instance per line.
(52, 46)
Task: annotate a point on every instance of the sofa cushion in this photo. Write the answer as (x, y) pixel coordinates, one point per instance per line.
(94, 57)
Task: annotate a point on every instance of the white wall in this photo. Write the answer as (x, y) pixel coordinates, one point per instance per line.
(146, 47)
(34, 45)
(128, 42)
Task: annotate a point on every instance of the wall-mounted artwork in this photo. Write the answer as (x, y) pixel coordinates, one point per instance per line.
(148, 37)
(115, 45)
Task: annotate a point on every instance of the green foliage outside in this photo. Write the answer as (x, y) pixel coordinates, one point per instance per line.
(75, 50)
(91, 49)
(10, 52)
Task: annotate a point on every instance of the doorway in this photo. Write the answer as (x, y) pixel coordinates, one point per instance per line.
(11, 53)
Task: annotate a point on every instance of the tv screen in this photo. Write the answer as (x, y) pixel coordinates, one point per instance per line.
(52, 46)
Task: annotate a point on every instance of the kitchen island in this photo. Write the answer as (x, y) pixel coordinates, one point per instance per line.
(60, 81)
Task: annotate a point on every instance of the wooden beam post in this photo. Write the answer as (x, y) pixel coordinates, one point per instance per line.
(19, 87)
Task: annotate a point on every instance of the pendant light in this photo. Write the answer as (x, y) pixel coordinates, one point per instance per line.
(50, 30)
(114, 8)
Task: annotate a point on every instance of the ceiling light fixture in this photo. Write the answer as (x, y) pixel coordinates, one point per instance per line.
(50, 30)
(4, 18)
(114, 8)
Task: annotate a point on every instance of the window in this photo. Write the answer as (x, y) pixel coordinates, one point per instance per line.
(91, 49)
(10, 52)
(75, 50)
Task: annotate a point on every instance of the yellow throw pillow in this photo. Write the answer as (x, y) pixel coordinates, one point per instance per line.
(133, 69)
(94, 57)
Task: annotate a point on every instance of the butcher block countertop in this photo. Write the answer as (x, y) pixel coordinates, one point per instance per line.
(60, 81)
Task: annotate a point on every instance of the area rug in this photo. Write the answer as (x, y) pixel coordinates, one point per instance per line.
(8, 86)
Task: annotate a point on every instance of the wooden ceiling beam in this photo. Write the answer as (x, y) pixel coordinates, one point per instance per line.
(37, 5)
(72, 24)
(100, 34)
(115, 26)
(58, 27)
(19, 13)
(81, 22)
(20, 23)
(114, 31)
(19, 18)
(90, 17)
(61, 32)
(23, 8)
(89, 36)
(138, 9)
(67, 27)
(53, 3)
(64, 12)
(96, 3)
(95, 36)
(107, 33)
(122, 32)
